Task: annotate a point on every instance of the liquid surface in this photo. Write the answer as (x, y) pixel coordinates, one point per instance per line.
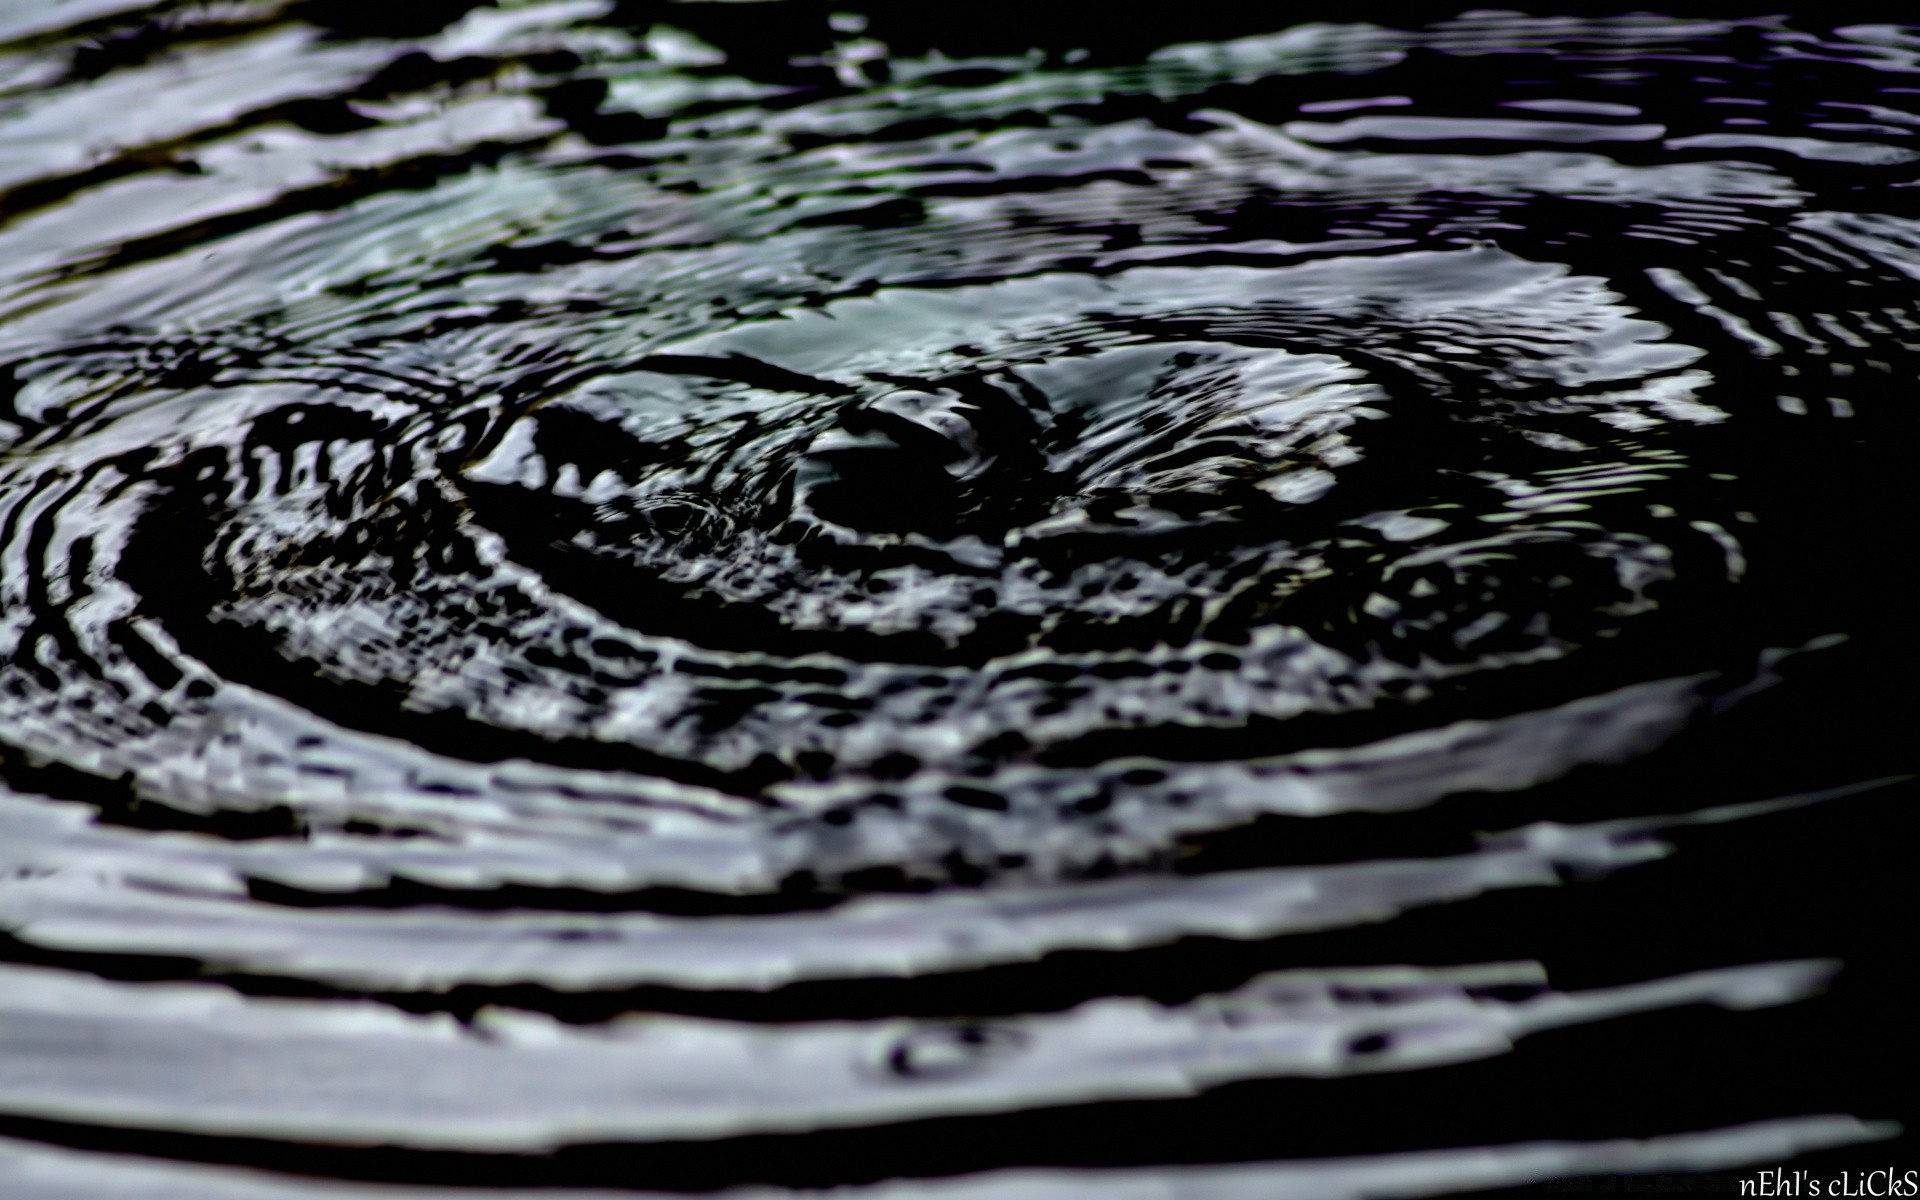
(746, 596)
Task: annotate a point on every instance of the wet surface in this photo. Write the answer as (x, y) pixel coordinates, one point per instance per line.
(601, 596)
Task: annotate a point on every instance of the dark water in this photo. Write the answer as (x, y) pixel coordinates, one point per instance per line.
(966, 603)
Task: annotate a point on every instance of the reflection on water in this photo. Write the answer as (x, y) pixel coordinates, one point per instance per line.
(757, 596)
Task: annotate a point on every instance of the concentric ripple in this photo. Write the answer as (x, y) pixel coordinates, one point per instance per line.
(678, 601)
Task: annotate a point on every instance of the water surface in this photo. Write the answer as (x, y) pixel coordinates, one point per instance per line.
(749, 596)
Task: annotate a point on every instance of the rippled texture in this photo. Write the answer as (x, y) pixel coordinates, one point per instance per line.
(723, 596)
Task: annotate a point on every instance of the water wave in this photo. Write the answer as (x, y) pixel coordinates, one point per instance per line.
(857, 599)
